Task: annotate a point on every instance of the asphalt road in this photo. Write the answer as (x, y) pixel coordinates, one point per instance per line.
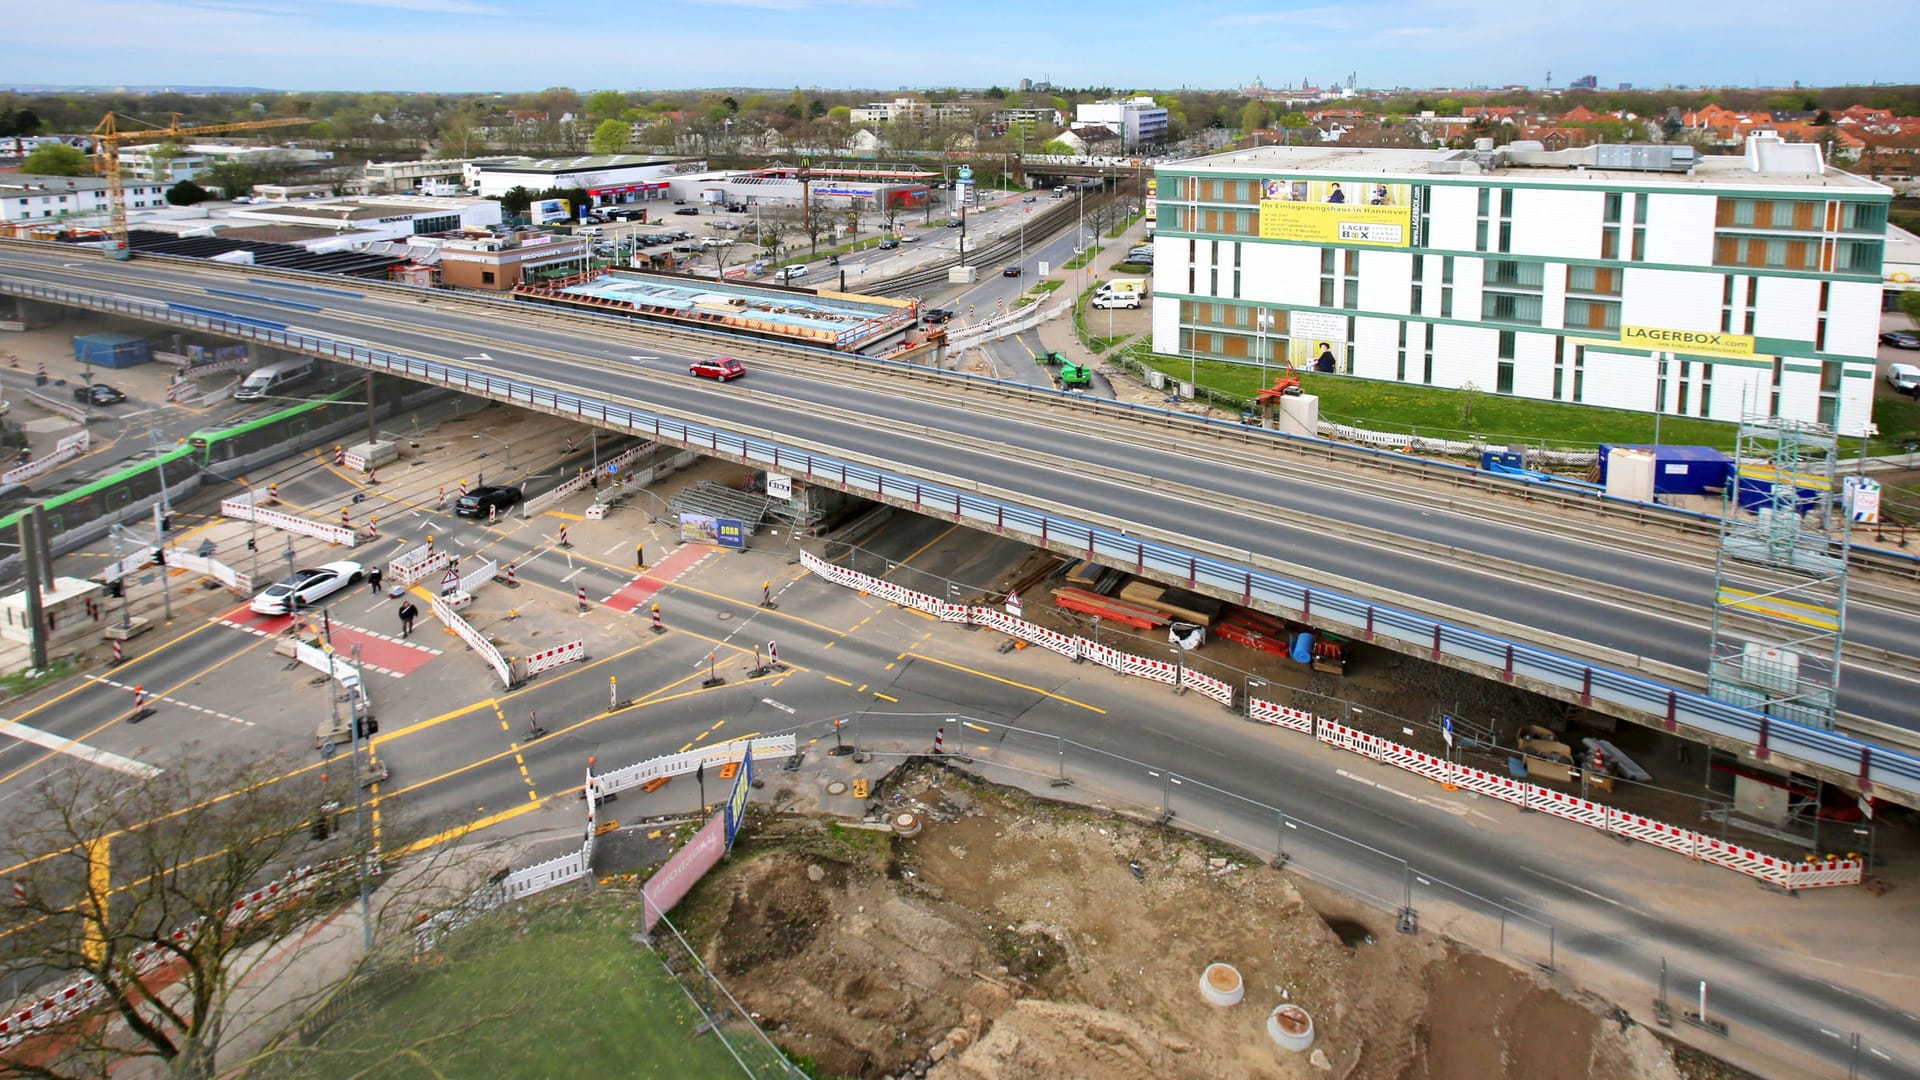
(958, 442)
(454, 743)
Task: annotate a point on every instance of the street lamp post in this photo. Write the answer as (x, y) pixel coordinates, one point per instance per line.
(501, 441)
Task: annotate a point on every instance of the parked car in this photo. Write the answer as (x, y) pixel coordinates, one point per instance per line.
(1904, 378)
(98, 394)
(723, 223)
(688, 210)
(304, 588)
(1011, 271)
(723, 368)
(1900, 339)
(937, 315)
(888, 243)
(1116, 300)
(476, 503)
(737, 208)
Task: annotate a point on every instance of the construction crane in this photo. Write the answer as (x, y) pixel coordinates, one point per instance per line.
(107, 138)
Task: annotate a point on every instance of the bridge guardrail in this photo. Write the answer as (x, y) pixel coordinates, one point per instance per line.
(1568, 678)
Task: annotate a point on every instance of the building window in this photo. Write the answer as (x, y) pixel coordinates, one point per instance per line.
(1515, 273)
(486, 277)
(1511, 308)
(1612, 216)
(1507, 339)
(1598, 280)
(1593, 315)
(1503, 378)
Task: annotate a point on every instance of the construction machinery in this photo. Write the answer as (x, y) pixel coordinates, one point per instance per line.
(107, 137)
(1072, 375)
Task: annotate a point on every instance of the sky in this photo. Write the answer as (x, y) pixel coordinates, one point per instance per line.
(515, 45)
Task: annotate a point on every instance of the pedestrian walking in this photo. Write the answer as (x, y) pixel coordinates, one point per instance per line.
(373, 580)
(408, 613)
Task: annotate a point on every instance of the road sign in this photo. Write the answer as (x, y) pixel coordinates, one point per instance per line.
(1042, 269)
(450, 578)
(1446, 729)
(612, 469)
(779, 487)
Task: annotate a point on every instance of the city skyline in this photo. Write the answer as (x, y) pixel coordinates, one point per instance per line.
(480, 45)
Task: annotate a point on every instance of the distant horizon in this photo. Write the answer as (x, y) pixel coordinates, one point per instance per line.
(435, 46)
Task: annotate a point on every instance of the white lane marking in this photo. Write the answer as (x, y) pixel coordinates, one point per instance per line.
(788, 709)
(615, 547)
(129, 687)
(1589, 893)
(90, 754)
(574, 574)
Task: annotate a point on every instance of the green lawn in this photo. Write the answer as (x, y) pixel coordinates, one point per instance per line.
(557, 992)
(1496, 418)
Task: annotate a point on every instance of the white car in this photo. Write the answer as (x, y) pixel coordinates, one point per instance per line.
(790, 273)
(304, 588)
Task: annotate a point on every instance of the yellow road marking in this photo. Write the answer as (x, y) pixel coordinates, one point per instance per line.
(1010, 682)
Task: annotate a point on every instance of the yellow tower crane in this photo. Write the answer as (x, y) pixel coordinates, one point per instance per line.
(107, 138)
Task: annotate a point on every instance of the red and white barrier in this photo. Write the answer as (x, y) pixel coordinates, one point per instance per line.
(68, 448)
(474, 639)
(1780, 872)
(548, 659)
(618, 780)
(246, 508)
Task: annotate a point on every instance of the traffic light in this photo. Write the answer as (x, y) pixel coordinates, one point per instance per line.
(159, 556)
(116, 588)
(166, 522)
(367, 727)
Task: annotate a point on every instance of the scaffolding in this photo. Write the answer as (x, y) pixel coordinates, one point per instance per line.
(1780, 578)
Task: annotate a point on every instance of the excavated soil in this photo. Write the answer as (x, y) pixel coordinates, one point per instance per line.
(1015, 939)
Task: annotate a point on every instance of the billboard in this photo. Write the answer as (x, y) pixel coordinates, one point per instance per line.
(1346, 213)
(704, 529)
(1152, 200)
(548, 211)
(1695, 342)
(1317, 341)
(736, 808)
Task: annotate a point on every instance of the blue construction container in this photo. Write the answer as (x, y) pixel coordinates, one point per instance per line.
(110, 350)
(1679, 470)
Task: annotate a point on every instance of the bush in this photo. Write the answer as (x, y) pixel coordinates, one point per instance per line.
(186, 193)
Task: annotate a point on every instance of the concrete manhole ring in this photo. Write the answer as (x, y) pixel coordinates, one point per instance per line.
(724, 616)
(836, 787)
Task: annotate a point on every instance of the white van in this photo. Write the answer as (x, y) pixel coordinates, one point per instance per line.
(271, 379)
(1125, 300)
(1904, 378)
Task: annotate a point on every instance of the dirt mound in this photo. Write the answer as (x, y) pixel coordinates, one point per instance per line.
(1015, 939)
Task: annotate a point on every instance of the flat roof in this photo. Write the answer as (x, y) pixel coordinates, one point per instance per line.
(582, 164)
(1711, 170)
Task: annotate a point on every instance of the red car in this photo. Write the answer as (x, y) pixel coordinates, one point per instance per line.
(718, 367)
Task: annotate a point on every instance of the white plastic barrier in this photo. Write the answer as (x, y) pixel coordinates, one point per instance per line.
(452, 620)
(246, 508)
(407, 568)
(1776, 871)
(68, 448)
(548, 659)
(330, 663)
(213, 568)
(583, 481)
(541, 876)
(481, 574)
(612, 783)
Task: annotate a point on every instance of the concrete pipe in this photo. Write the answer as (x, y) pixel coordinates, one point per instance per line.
(1291, 1028)
(1221, 984)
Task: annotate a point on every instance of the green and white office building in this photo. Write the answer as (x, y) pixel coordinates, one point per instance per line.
(1634, 277)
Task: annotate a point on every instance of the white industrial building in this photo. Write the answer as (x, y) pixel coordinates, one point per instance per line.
(608, 177)
(1137, 120)
(168, 164)
(1620, 276)
(372, 217)
(25, 198)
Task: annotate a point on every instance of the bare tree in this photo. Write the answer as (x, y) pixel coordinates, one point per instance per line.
(149, 887)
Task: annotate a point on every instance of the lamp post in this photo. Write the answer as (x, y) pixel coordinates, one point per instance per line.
(501, 441)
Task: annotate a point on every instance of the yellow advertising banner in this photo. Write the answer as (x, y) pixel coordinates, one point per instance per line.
(1328, 212)
(1698, 342)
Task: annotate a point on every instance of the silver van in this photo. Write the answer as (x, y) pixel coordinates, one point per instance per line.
(272, 379)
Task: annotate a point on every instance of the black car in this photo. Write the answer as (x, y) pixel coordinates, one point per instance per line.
(688, 210)
(476, 503)
(98, 394)
(1900, 339)
(936, 315)
(888, 244)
